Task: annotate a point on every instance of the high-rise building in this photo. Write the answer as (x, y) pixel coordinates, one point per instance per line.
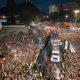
(68, 6)
(54, 8)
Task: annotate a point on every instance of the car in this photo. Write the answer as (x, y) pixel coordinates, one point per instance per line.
(55, 57)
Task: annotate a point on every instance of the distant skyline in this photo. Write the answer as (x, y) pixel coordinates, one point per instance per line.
(40, 4)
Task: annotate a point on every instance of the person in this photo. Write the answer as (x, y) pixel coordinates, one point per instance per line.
(47, 41)
(39, 39)
(0, 25)
(29, 29)
(2, 76)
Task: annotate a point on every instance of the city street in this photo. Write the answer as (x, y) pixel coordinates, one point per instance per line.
(23, 60)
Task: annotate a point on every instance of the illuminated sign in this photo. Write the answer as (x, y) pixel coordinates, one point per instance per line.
(3, 20)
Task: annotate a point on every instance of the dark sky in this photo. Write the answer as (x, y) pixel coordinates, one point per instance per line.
(41, 4)
(44, 4)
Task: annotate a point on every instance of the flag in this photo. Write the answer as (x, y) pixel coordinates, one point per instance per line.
(1, 61)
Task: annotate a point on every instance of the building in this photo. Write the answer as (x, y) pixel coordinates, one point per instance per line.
(66, 6)
(54, 8)
(66, 10)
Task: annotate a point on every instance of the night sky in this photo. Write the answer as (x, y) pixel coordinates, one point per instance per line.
(41, 4)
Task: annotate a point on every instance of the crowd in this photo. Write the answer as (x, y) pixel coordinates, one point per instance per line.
(21, 51)
(72, 66)
(71, 63)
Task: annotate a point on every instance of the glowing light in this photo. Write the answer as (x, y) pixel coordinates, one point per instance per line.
(76, 11)
(66, 16)
(4, 16)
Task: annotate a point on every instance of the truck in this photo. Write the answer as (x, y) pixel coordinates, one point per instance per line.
(56, 54)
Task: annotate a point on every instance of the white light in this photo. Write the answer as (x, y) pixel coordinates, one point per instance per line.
(76, 11)
(4, 16)
(66, 9)
(47, 16)
(4, 58)
(15, 56)
(66, 16)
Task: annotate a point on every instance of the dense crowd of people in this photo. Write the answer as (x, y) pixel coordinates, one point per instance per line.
(72, 66)
(21, 51)
(72, 60)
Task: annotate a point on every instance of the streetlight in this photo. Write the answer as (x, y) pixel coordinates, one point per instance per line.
(76, 13)
(66, 16)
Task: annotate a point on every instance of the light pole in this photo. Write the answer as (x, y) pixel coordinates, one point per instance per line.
(76, 13)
